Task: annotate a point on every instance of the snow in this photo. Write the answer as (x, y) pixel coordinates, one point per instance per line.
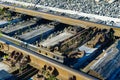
(4, 66)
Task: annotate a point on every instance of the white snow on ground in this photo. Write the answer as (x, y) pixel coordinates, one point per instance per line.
(103, 18)
(87, 49)
(3, 22)
(4, 66)
(117, 24)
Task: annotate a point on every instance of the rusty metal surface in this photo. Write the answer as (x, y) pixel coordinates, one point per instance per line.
(39, 60)
(61, 19)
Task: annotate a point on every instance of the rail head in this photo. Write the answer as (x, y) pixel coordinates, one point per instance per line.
(40, 51)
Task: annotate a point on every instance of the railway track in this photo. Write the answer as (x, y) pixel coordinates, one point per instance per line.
(66, 20)
(38, 54)
(36, 58)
